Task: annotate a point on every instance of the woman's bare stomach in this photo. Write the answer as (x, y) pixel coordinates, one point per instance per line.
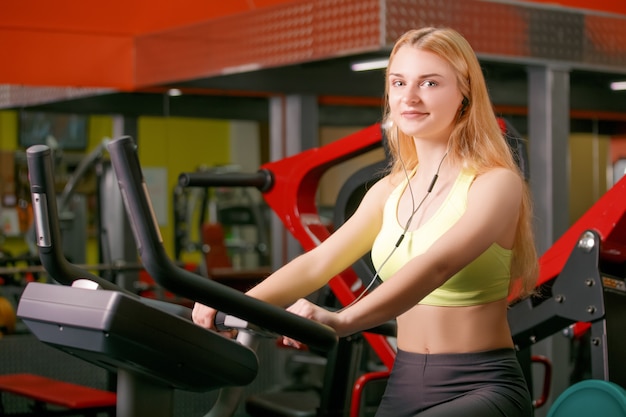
(432, 329)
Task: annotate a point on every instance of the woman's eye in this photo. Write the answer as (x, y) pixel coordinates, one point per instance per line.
(397, 83)
(429, 83)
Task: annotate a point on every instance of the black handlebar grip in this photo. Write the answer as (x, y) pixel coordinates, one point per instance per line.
(262, 179)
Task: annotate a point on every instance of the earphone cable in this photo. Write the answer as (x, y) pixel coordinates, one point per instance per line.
(407, 225)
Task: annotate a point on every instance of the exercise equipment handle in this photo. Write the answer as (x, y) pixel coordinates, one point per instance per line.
(48, 233)
(262, 179)
(190, 285)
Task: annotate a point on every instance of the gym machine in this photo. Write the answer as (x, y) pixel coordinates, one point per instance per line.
(152, 346)
(582, 289)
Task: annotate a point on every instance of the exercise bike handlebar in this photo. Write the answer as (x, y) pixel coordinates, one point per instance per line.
(48, 234)
(190, 285)
(41, 173)
(261, 179)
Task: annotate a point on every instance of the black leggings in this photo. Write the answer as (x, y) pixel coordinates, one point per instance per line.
(482, 384)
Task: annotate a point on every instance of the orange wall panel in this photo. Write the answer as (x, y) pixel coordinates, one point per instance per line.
(157, 16)
(609, 6)
(144, 16)
(87, 44)
(114, 16)
(129, 17)
(67, 59)
(71, 43)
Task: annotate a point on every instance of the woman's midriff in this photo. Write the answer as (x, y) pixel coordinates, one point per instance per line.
(434, 329)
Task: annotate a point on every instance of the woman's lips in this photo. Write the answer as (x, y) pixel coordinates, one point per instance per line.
(413, 114)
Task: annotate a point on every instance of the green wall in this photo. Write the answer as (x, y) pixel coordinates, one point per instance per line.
(173, 144)
(181, 145)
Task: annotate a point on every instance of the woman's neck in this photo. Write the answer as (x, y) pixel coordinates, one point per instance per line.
(432, 158)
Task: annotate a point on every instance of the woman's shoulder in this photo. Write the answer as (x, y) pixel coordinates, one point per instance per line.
(382, 189)
(504, 181)
(389, 182)
(497, 174)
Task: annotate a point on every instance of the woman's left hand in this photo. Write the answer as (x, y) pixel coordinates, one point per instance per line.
(307, 309)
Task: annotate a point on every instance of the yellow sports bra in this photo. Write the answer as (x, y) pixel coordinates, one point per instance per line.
(484, 280)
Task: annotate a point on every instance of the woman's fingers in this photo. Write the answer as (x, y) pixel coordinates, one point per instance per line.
(203, 316)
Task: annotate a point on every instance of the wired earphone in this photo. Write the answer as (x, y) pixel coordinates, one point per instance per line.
(408, 222)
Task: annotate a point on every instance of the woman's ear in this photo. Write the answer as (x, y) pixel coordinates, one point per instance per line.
(464, 104)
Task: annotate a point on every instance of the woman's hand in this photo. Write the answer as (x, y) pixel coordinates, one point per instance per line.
(204, 316)
(307, 309)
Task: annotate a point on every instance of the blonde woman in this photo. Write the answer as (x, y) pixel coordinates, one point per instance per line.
(449, 229)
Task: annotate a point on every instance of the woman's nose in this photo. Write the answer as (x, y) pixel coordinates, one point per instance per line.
(411, 95)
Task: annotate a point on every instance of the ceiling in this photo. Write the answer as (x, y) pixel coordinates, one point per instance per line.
(346, 97)
(297, 47)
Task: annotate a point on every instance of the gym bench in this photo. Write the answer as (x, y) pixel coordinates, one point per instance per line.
(75, 400)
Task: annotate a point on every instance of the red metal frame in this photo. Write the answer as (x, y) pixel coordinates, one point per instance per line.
(359, 387)
(547, 379)
(607, 217)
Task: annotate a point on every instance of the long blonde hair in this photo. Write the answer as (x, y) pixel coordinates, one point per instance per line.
(476, 141)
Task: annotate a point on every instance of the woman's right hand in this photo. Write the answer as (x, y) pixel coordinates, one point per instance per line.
(204, 316)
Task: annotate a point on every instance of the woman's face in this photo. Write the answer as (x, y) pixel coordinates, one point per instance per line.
(424, 99)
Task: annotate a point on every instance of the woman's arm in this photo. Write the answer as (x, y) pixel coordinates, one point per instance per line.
(313, 269)
(491, 216)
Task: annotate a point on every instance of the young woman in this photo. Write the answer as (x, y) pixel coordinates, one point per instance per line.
(449, 229)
